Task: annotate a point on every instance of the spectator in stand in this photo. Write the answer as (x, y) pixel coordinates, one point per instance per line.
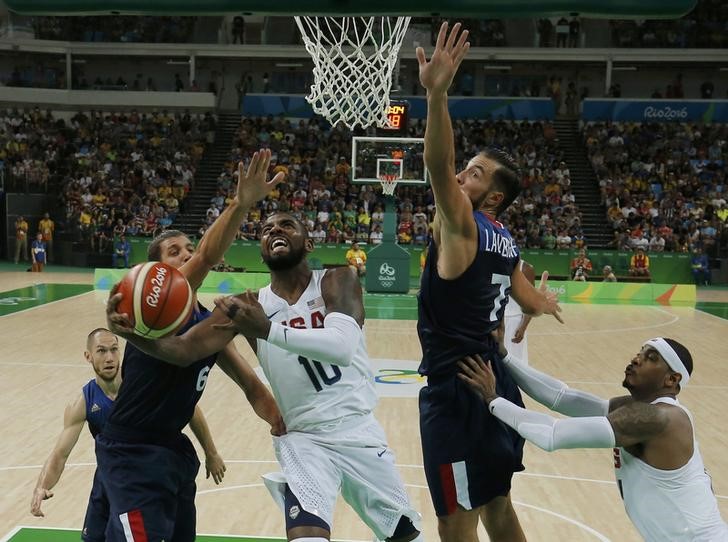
(657, 243)
(700, 265)
(639, 264)
(608, 275)
(376, 235)
(238, 30)
(574, 26)
(563, 240)
(562, 32)
(318, 234)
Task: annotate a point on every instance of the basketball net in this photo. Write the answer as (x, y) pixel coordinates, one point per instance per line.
(354, 60)
(389, 183)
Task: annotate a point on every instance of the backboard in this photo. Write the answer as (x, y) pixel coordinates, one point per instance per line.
(398, 158)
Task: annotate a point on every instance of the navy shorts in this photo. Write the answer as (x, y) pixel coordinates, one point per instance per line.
(151, 489)
(469, 455)
(97, 513)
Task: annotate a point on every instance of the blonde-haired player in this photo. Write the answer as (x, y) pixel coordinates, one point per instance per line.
(306, 328)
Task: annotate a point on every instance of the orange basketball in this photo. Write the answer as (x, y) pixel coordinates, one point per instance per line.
(157, 298)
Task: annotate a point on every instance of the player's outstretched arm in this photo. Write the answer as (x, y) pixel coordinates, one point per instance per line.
(253, 185)
(546, 432)
(259, 396)
(335, 343)
(73, 420)
(453, 206)
(198, 342)
(547, 390)
(214, 464)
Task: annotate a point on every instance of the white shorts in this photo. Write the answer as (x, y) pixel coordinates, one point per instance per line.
(519, 350)
(356, 462)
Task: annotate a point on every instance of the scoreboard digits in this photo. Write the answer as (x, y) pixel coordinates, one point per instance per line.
(397, 115)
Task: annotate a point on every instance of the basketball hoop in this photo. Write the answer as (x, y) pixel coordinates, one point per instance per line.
(389, 183)
(354, 60)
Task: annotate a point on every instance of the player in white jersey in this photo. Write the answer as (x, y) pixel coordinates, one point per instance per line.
(306, 328)
(666, 490)
(516, 322)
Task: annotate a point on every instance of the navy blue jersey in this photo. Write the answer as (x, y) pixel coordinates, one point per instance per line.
(98, 407)
(456, 316)
(156, 400)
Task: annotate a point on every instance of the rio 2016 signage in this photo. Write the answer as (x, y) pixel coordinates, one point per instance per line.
(655, 110)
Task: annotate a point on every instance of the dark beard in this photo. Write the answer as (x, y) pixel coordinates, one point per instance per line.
(286, 262)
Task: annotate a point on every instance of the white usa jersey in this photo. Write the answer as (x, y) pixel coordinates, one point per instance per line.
(676, 505)
(313, 396)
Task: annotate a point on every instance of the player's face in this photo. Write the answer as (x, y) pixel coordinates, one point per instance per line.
(283, 243)
(476, 180)
(176, 251)
(104, 355)
(646, 372)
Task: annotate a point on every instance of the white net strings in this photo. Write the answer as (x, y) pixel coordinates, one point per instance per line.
(354, 60)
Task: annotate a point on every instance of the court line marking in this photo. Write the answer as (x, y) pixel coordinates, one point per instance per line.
(575, 522)
(674, 319)
(711, 315)
(400, 466)
(11, 534)
(46, 305)
(16, 529)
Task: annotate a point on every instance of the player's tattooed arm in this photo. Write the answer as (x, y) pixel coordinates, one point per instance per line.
(637, 422)
(617, 402)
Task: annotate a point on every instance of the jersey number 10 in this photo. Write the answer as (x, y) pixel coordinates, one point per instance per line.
(326, 379)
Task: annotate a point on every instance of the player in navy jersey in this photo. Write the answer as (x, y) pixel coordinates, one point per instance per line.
(93, 405)
(470, 271)
(148, 467)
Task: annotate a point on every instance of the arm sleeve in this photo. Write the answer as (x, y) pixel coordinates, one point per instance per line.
(553, 393)
(549, 433)
(335, 343)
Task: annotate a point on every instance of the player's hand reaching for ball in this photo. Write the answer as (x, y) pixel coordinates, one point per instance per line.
(245, 315)
(119, 324)
(479, 376)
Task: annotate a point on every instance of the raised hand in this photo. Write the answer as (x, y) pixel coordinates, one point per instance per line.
(253, 184)
(552, 300)
(437, 74)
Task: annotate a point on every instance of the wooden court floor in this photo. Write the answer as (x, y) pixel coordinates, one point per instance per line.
(567, 495)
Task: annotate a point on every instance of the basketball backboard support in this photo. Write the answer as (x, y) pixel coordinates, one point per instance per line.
(398, 158)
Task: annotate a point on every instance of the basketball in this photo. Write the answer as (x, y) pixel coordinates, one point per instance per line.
(157, 298)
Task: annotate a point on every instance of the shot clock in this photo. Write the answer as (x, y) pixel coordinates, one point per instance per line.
(397, 115)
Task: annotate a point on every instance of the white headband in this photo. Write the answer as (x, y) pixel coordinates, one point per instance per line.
(671, 358)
